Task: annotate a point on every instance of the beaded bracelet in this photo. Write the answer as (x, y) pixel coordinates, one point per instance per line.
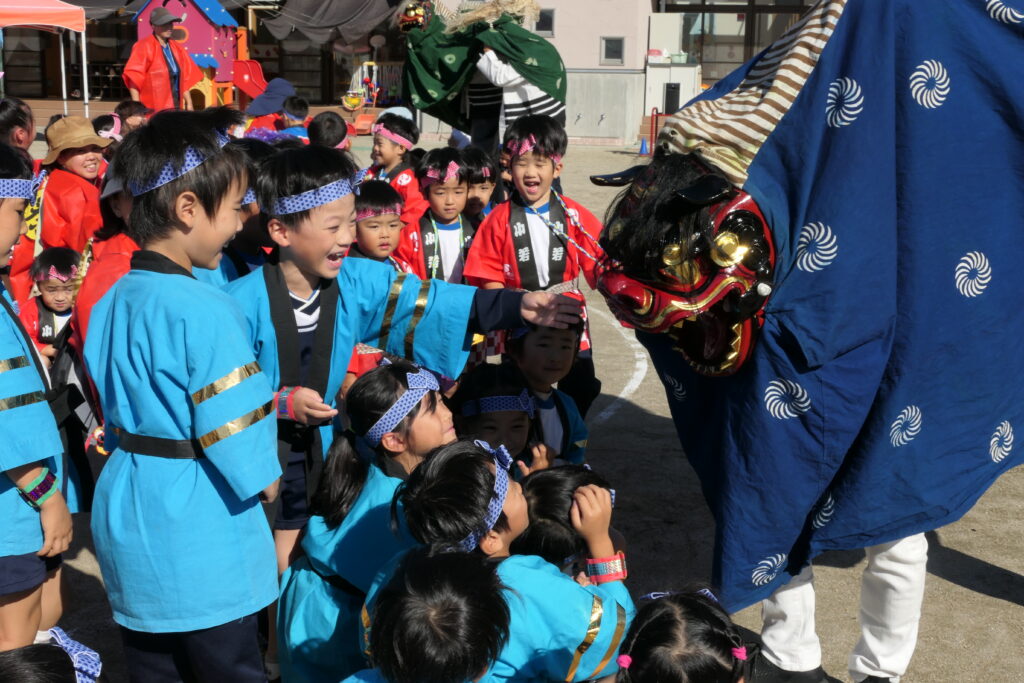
(286, 403)
(607, 569)
(41, 489)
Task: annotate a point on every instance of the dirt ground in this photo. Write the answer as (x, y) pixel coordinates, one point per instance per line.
(972, 628)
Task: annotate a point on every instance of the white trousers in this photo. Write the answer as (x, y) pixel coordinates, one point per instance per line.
(891, 592)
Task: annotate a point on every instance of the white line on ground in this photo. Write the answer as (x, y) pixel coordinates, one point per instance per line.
(639, 366)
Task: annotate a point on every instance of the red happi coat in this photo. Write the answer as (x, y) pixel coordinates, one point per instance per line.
(111, 260)
(403, 179)
(147, 72)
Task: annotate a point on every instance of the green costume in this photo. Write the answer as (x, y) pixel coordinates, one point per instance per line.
(440, 65)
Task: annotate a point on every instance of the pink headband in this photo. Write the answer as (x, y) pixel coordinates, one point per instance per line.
(379, 129)
(115, 132)
(527, 145)
(363, 214)
(54, 275)
(344, 144)
(433, 175)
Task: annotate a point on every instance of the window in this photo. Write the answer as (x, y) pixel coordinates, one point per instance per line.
(613, 51)
(545, 25)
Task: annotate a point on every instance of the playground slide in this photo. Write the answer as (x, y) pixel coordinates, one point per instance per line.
(249, 77)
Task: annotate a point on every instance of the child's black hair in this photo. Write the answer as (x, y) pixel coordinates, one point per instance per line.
(39, 663)
(346, 468)
(327, 129)
(400, 126)
(440, 618)
(481, 167)
(415, 156)
(144, 153)
(61, 259)
(377, 195)
(103, 122)
(14, 113)
(487, 379)
(549, 497)
(446, 497)
(549, 136)
(14, 163)
(294, 171)
(129, 108)
(296, 108)
(514, 344)
(682, 638)
(437, 161)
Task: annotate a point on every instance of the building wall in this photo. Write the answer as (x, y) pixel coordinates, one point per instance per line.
(580, 24)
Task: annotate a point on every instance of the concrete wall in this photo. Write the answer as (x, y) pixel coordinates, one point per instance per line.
(580, 24)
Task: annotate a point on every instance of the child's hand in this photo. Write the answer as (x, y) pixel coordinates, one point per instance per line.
(48, 351)
(591, 516)
(269, 494)
(550, 310)
(310, 408)
(55, 518)
(543, 456)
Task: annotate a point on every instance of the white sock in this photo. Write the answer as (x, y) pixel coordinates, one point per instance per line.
(42, 638)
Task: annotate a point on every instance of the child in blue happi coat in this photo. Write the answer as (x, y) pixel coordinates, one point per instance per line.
(462, 497)
(181, 538)
(397, 417)
(36, 525)
(441, 618)
(545, 356)
(307, 310)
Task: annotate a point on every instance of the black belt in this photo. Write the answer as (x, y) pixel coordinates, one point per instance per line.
(338, 582)
(157, 446)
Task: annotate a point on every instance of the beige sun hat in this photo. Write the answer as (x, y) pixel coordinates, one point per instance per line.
(71, 132)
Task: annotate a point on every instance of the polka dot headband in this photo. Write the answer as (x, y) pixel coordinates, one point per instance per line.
(85, 660)
(496, 404)
(16, 188)
(502, 461)
(363, 214)
(419, 384)
(170, 171)
(310, 199)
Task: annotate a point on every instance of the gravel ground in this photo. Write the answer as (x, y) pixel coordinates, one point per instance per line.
(973, 622)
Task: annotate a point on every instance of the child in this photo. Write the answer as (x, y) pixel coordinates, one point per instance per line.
(435, 240)
(545, 356)
(54, 273)
(681, 638)
(36, 525)
(378, 224)
(441, 618)
(397, 417)
(482, 173)
(132, 115)
(394, 137)
(66, 209)
(327, 129)
(294, 112)
(493, 404)
(462, 497)
(180, 535)
(549, 497)
(61, 661)
(540, 239)
(306, 313)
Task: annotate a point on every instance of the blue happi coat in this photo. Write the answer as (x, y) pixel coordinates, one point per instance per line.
(558, 630)
(30, 432)
(884, 142)
(317, 622)
(422, 320)
(183, 544)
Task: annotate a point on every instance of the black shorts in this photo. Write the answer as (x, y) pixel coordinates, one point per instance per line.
(293, 512)
(20, 573)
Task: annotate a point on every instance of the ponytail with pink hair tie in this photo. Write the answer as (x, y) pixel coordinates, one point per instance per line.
(740, 653)
(624, 661)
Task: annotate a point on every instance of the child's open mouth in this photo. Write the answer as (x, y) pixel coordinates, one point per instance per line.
(335, 258)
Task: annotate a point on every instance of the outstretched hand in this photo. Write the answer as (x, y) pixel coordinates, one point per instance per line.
(550, 310)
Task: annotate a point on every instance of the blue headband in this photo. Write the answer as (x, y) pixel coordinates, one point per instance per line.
(16, 188)
(310, 199)
(249, 197)
(658, 595)
(502, 461)
(86, 662)
(170, 171)
(494, 404)
(419, 384)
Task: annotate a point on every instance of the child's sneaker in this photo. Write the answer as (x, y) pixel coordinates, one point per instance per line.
(764, 671)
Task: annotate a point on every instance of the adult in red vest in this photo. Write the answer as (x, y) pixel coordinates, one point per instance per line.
(159, 71)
